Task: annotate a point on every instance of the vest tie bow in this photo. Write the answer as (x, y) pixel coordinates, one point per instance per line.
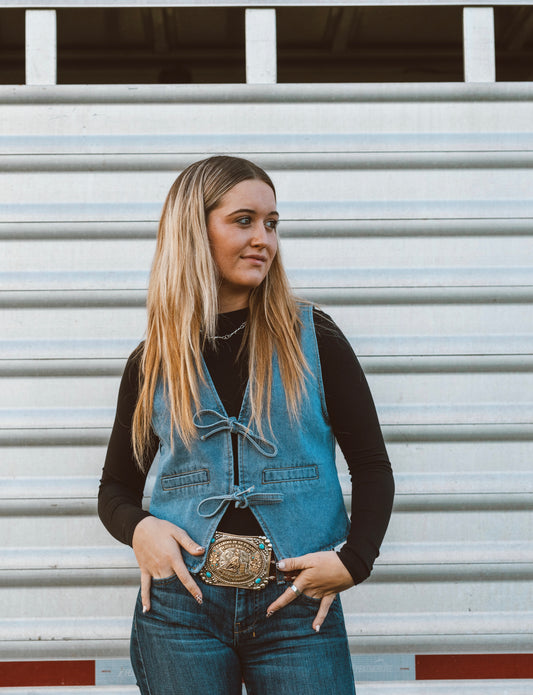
(241, 499)
(211, 422)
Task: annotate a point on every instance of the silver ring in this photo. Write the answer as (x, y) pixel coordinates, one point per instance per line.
(295, 589)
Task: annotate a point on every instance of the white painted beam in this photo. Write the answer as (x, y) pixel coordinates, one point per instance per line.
(261, 57)
(41, 47)
(254, 3)
(479, 49)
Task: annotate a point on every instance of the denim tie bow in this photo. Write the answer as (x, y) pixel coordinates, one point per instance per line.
(241, 499)
(212, 422)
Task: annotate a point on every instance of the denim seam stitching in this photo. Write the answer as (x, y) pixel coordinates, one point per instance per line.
(290, 480)
(146, 683)
(184, 475)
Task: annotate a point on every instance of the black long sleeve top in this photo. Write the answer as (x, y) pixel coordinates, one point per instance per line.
(352, 416)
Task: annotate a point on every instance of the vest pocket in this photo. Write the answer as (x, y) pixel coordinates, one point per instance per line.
(290, 474)
(180, 480)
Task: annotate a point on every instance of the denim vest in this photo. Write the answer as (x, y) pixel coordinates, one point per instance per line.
(287, 477)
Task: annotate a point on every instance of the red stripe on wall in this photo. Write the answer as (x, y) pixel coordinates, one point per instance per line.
(428, 667)
(471, 666)
(35, 673)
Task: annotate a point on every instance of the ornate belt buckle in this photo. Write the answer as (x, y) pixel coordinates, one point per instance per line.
(238, 561)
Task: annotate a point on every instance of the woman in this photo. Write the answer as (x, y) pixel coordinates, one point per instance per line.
(242, 389)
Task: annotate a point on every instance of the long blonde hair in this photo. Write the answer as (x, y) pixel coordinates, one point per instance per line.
(182, 309)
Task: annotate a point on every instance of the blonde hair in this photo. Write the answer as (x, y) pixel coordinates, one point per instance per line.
(182, 308)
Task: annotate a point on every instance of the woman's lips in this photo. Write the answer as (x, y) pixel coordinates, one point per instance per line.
(255, 259)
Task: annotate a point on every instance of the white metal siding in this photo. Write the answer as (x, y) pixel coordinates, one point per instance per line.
(482, 687)
(406, 211)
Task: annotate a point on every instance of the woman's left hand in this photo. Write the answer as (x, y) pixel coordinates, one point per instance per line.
(319, 575)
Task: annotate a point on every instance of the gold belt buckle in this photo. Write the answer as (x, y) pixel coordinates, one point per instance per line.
(237, 561)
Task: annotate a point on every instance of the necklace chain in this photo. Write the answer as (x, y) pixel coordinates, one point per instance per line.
(230, 335)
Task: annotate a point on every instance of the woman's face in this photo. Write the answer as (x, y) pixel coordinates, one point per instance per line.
(242, 234)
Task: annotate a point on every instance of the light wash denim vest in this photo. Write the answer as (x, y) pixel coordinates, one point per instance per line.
(287, 477)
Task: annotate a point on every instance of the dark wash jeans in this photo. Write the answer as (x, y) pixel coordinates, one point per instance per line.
(181, 648)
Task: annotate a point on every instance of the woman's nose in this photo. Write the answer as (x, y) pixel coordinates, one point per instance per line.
(259, 235)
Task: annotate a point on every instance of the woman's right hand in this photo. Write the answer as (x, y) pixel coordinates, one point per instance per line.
(157, 546)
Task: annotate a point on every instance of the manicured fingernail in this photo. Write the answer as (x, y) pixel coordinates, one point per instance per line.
(317, 628)
(199, 599)
(270, 614)
(144, 609)
(200, 549)
(280, 565)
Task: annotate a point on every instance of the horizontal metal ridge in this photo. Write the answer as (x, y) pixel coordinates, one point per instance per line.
(440, 345)
(410, 277)
(332, 296)
(259, 93)
(423, 484)
(486, 482)
(407, 573)
(287, 161)
(399, 415)
(446, 364)
(379, 355)
(467, 345)
(56, 418)
(273, 144)
(99, 436)
(448, 687)
(69, 349)
(391, 554)
(366, 217)
(358, 625)
(50, 281)
(465, 553)
(350, 286)
(457, 414)
(67, 558)
(76, 229)
(326, 212)
(380, 364)
(31, 226)
(316, 278)
(64, 629)
(435, 623)
(109, 637)
(414, 492)
(483, 432)
(26, 487)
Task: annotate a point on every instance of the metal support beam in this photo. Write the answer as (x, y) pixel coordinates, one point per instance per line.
(479, 49)
(41, 47)
(261, 58)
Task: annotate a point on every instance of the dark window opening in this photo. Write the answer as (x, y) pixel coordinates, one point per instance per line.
(370, 44)
(150, 45)
(136, 45)
(513, 29)
(12, 39)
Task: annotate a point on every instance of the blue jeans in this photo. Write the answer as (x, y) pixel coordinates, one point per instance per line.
(179, 647)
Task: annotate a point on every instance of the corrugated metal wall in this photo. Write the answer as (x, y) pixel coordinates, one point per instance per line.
(407, 214)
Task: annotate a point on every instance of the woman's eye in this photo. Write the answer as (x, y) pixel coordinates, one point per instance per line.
(272, 224)
(244, 220)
